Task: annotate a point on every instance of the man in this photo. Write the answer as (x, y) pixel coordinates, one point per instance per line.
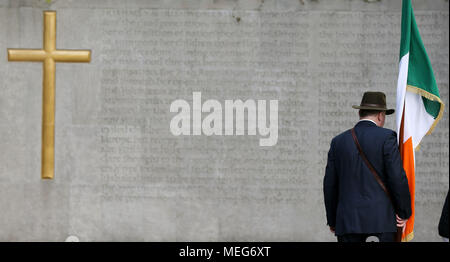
(356, 205)
(443, 227)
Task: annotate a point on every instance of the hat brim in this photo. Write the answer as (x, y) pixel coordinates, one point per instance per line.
(388, 111)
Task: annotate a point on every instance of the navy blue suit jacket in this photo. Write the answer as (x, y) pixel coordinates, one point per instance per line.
(354, 201)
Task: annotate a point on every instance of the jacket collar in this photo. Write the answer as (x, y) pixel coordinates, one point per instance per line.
(366, 122)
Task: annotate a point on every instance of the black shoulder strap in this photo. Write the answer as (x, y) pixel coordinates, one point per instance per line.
(363, 156)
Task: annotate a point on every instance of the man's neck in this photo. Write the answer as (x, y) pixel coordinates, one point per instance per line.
(367, 119)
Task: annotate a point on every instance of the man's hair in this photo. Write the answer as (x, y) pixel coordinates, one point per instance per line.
(365, 112)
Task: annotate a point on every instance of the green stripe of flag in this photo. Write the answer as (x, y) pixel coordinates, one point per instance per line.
(420, 72)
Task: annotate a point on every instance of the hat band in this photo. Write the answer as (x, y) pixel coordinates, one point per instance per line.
(374, 105)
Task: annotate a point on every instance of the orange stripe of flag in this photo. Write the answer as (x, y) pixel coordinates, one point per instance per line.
(407, 155)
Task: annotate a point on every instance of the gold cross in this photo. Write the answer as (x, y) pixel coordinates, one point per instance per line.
(48, 55)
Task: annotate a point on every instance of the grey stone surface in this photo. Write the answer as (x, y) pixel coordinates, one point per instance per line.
(120, 175)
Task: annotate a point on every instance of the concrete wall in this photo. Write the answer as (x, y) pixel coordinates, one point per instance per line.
(120, 174)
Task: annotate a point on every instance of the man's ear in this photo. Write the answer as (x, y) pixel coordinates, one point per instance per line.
(380, 116)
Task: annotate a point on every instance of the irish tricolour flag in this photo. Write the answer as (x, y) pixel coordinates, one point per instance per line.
(419, 107)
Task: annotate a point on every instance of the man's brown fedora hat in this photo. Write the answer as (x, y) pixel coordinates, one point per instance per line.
(374, 101)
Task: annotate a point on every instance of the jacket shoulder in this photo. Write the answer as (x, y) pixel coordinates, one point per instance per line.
(340, 136)
(387, 132)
